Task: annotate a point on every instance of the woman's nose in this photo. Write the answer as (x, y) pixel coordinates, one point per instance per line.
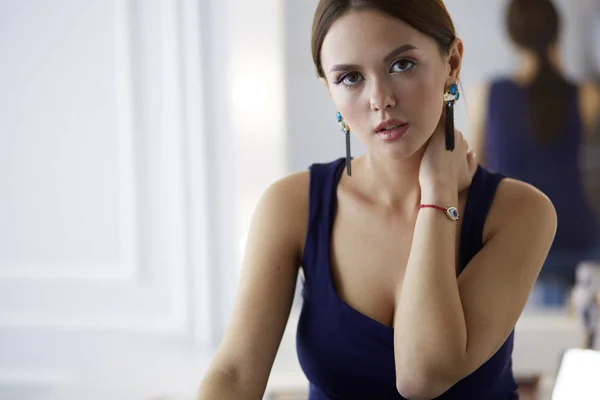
(382, 97)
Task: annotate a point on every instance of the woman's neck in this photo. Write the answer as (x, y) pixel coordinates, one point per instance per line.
(529, 65)
(390, 183)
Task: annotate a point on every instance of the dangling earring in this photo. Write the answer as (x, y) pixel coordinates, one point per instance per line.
(346, 130)
(450, 97)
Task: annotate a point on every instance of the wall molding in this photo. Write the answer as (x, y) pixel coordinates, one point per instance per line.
(127, 268)
(159, 272)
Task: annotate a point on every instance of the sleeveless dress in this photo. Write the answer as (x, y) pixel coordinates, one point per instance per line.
(345, 354)
(511, 150)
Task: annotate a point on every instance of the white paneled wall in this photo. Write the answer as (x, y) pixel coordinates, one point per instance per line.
(103, 215)
(93, 176)
(136, 137)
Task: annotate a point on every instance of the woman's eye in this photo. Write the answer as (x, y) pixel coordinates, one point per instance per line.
(351, 79)
(403, 65)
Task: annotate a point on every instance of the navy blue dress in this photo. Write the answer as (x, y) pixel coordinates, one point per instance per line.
(511, 150)
(347, 355)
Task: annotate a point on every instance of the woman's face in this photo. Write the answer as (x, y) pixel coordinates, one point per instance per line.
(378, 69)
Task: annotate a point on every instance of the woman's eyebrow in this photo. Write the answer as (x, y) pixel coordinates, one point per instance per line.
(398, 51)
(392, 54)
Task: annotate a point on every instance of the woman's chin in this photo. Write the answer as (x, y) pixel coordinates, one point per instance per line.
(400, 150)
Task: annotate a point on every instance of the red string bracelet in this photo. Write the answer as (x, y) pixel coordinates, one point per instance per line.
(451, 212)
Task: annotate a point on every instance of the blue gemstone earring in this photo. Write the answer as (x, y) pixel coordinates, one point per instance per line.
(450, 97)
(346, 129)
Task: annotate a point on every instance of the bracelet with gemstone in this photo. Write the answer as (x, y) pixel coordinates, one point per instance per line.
(451, 212)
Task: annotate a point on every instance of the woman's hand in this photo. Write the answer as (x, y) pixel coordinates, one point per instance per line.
(444, 171)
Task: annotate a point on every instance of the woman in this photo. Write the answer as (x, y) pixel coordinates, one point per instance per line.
(401, 299)
(531, 126)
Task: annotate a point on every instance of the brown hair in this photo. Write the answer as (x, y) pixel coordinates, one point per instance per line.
(534, 25)
(427, 16)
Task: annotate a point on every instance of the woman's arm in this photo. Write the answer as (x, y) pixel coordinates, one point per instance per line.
(430, 334)
(243, 362)
(446, 328)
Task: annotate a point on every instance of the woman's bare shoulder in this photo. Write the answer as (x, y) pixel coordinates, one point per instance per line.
(291, 191)
(516, 203)
(286, 203)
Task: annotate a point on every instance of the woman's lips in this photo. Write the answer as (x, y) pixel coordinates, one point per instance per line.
(389, 135)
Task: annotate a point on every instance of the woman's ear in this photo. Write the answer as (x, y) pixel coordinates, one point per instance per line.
(455, 56)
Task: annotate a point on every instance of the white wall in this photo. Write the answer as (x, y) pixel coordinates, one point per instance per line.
(313, 132)
(103, 234)
(136, 137)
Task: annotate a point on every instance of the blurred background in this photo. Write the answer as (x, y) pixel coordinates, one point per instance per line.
(136, 138)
